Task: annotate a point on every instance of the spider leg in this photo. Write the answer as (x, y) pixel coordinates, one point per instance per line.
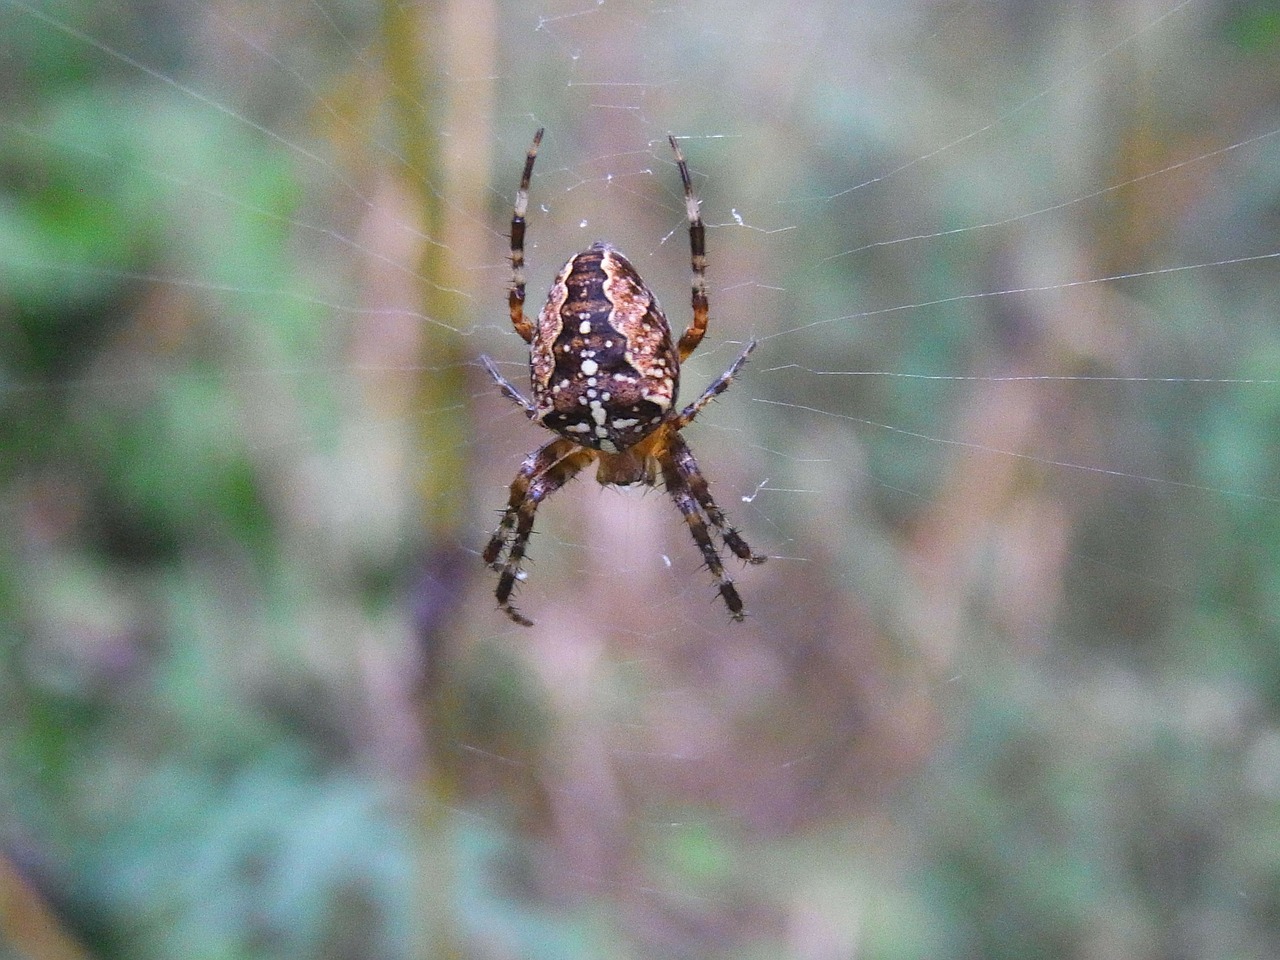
(692, 512)
(536, 464)
(717, 388)
(693, 478)
(515, 298)
(698, 255)
(542, 486)
(508, 390)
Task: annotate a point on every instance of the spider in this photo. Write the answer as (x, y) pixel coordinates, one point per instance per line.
(605, 373)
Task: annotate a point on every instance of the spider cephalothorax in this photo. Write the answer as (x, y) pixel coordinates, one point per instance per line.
(605, 375)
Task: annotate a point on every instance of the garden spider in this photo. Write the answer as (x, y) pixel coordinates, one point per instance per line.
(605, 374)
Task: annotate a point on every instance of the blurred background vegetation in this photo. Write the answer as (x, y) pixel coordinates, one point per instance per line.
(1011, 684)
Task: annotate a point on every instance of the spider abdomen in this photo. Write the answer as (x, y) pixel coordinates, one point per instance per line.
(604, 368)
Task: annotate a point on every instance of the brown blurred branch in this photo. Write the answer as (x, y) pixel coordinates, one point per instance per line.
(27, 922)
(425, 45)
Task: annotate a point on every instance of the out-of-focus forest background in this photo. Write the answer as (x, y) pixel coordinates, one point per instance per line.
(1010, 686)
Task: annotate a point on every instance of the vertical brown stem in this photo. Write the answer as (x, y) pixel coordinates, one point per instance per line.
(425, 43)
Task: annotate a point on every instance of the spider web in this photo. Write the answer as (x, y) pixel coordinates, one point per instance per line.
(1009, 682)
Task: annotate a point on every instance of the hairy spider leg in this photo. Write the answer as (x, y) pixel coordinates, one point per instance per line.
(543, 485)
(693, 478)
(536, 464)
(515, 298)
(689, 507)
(508, 390)
(718, 387)
(698, 255)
